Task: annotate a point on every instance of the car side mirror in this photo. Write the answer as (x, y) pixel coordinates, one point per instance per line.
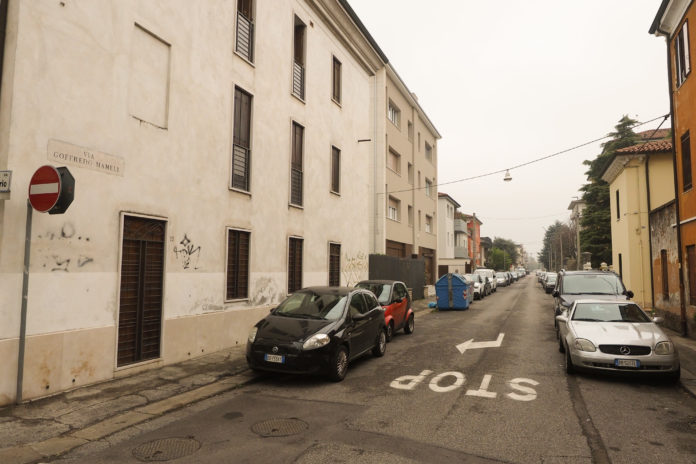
(357, 316)
(398, 300)
(556, 294)
(628, 293)
(562, 318)
(272, 309)
(658, 319)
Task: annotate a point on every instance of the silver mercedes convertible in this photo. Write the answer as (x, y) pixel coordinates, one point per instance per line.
(616, 335)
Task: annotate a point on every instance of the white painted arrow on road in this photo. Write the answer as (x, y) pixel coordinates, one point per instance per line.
(471, 344)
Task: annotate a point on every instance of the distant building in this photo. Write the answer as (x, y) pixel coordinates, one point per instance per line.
(452, 247)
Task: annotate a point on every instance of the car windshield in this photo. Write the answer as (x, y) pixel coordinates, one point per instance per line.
(381, 291)
(593, 284)
(609, 312)
(551, 276)
(471, 278)
(312, 305)
(500, 274)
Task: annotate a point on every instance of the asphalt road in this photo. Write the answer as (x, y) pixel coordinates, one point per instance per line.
(505, 398)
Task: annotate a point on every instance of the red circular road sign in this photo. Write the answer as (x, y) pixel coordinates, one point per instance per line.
(44, 188)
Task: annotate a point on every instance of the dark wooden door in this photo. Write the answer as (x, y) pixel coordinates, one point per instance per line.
(142, 276)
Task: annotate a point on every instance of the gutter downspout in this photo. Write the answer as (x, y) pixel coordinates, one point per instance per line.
(374, 168)
(680, 254)
(647, 187)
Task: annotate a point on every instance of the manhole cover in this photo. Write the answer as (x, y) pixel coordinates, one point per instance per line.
(279, 427)
(166, 449)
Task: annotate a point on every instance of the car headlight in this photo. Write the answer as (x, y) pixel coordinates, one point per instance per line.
(664, 348)
(252, 334)
(316, 341)
(583, 344)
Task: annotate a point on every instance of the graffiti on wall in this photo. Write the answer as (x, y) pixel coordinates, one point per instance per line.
(187, 253)
(355, 268)
(64, 250)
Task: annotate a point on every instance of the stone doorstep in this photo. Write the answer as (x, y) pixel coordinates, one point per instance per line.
(31, 452)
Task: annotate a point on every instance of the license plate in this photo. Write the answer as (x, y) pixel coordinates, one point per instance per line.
(626, 363)
(274, 358)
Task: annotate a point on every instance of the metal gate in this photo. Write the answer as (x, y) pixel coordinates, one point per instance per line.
(142, 276)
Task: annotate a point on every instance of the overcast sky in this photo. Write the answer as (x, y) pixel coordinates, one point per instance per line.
(509, 81)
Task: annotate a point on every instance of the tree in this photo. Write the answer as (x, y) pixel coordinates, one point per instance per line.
(499, 259)
(509, 247)
(595, 235)
(559, 246)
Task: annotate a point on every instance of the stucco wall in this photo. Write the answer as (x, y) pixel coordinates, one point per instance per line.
(73, 77)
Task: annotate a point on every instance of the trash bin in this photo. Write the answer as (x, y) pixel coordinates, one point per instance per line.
(453, 292)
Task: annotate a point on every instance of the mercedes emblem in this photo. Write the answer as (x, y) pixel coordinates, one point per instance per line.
(275, 349)
(624, 350)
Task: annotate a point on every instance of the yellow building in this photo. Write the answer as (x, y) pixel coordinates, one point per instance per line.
(641, 191)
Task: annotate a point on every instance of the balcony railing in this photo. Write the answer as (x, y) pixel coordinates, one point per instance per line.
(461, 252)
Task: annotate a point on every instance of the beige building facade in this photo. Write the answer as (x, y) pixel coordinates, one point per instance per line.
(405, 185)
(215, 151)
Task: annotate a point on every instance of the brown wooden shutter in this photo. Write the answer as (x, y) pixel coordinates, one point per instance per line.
(237, 264)
(296, 173)
(142, 276)
(334, 264)
(336, 80)
(665, 275)
(294, 265)
(241, 139)
(335, 170)
(691, 263)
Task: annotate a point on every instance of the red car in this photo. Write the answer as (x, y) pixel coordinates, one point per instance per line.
(394, 298)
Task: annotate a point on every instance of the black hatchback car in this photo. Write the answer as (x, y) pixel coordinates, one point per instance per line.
(581, 285)
(318, 329)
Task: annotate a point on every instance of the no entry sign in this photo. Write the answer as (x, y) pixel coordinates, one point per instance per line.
(51, 189)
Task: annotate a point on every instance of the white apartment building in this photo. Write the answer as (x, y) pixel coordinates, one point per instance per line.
(452, 238)
(218, 166)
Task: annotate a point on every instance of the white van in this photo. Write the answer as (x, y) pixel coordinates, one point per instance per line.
(490, 275)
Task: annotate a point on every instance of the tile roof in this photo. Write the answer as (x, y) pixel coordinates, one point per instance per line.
(653, 134)
(654, 146)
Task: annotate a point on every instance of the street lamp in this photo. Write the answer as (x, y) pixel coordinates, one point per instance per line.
(507, 177)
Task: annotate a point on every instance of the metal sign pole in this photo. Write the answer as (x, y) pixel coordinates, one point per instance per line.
(25, 291)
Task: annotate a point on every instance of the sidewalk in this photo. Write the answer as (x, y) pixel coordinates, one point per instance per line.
(38, 430)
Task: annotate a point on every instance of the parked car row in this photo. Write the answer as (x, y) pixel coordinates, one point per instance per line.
(599, 328)
(322, 329)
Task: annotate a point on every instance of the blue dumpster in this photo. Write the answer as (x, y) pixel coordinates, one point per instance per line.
(453, 292)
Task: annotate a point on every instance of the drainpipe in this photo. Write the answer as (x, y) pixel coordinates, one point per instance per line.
(650, 248)
(680, 254)
(374, 169)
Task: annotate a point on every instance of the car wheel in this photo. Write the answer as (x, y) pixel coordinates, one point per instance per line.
(410, 325)
(381, 345)
(339, 364)
(569, 368)
(390, 331)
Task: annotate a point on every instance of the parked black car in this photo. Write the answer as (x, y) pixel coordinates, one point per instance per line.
(581, 285)
(318, 329)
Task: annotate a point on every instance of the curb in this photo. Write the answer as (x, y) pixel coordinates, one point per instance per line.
(52, 447)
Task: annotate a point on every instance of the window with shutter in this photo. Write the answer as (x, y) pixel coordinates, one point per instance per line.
(296, 165)
(245, 30)
(681, 54)
(237, 264)
(294, 264)
(686, 161)
(336, 72)
(335, 170)
(334, 264)
(241, 139)
(691, 263)
(298, 69)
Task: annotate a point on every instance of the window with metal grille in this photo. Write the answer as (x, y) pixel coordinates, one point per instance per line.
(681, 54)
(298, 68)
(245, 29)
(336, 88)
(241, 140)
(686, 161)
(335, 170)
(691, 263)
(294, 264)
(237, 264)
(334, 264)
(296, 164)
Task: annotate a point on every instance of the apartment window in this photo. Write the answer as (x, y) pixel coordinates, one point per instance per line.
(419, 179)
(420, 221)
(334, 264)
(428, 187)
(691, 263)
(298, 68)
(294, 264)
(336, 73)
(686, 161)
(393, 209)
(394, 161)
(335, 170)
(620, 265)
(245, 29)
(419, 142)
(394, 114)
(410, 173)
(665, 275)
(241, 140)
(237, 264)
(296, 165)
(410, 131)
(428, 223)
(410, 216)
(618, 207)
(681, 54)
(428, 152)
